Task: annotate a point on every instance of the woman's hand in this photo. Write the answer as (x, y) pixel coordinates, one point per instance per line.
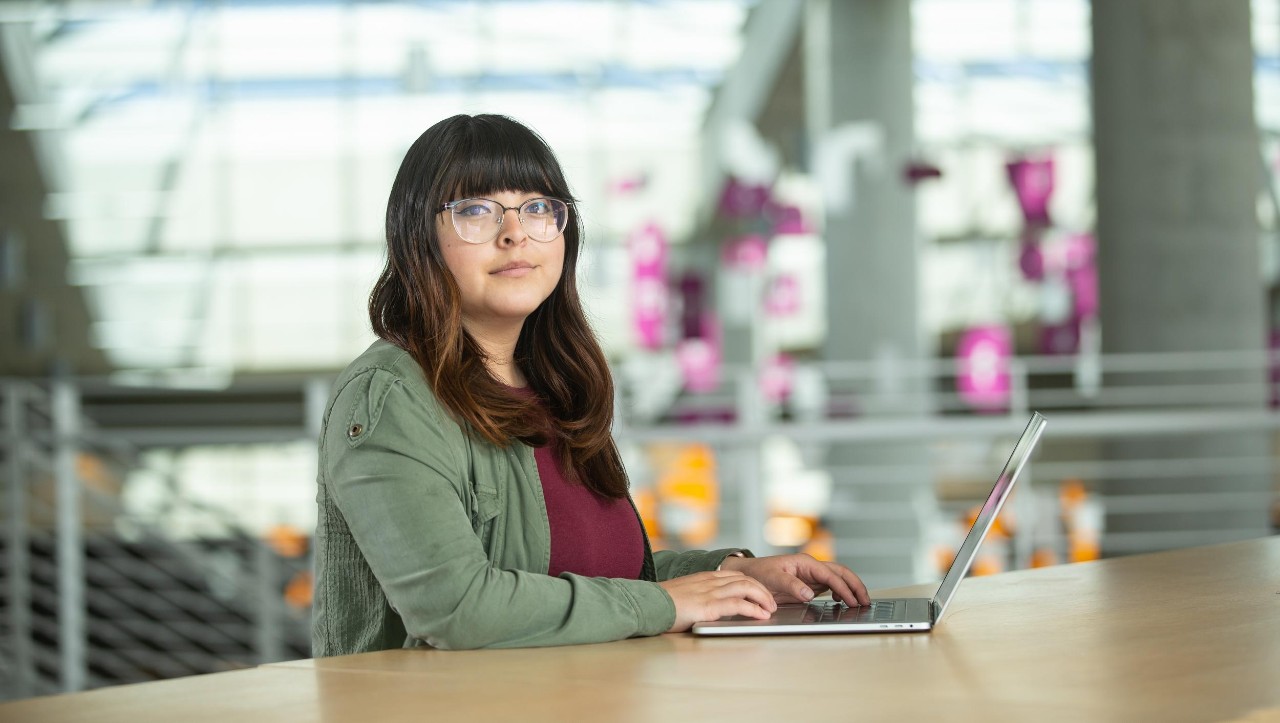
(705, 596)
(798, 578)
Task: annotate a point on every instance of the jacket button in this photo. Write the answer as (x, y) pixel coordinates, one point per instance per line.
(355, 431)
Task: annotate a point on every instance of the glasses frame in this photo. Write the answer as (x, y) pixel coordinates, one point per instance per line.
(497, 227)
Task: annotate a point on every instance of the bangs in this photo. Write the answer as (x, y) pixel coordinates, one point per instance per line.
(502, 157)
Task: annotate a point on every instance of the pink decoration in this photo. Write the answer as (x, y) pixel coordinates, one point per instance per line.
(699, 357)
(699, 361)
(628, 185)
(917, 171)
(783, 296)
(648, 250)
(705, 415)
(742, 200)
(1032, 179)
(746, 253)
(693, 304)
(1061, 338)
(1078, 255)
(777, 378)
(982, 360)
(1079, 250)
(1084, 291)
(1274, 367)
(789, 220)
(649, 311)
(698, 352)
(648, 247)
(1031, 260)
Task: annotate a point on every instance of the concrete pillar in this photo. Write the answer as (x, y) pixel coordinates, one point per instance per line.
(858, 77)
(859, 110)
(1177, 174)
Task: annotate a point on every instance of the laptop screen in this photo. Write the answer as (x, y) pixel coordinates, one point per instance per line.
(991, 508)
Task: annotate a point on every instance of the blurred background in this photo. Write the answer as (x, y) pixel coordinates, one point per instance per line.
(836, 252)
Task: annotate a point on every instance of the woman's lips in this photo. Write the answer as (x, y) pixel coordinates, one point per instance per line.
(515, 269)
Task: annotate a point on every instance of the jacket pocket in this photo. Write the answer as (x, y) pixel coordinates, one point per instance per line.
(488, 504)
(486, 500)
(484, 515)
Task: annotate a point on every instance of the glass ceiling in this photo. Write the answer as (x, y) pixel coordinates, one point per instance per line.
(224, 166)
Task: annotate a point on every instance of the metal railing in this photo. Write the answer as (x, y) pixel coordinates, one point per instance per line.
(95, 594)
(1096, 404)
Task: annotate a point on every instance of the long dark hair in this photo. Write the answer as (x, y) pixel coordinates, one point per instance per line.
(416, 305)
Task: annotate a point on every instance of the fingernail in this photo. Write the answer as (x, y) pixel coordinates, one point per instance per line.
(806, 594)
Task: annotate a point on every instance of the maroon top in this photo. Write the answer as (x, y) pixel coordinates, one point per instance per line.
(591, 534)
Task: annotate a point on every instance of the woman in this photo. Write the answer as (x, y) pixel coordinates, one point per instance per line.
(470, 494)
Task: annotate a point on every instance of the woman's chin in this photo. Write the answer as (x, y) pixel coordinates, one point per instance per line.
(505, 314)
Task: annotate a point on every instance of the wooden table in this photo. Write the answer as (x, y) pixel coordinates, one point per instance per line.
(1184, 635)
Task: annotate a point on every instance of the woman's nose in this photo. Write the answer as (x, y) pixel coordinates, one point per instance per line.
(511, 232)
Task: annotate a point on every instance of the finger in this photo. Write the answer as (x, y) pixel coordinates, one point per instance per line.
(794, 587)
(864, 597)
(847, 586)
(765, 596)
(859, 588)
(783, 598)
(747, 608)
(842, 590)
(750, 589)
(818, 577)
(838, 578)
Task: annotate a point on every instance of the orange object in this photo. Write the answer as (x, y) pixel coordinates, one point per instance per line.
(647, 506)
(787, 530)
(822, 545)
(1044, 557)
(287, 541)
(1077, 512)
(1003, 526)
(985, 565)
(688, 496)
(943, 556)
(298, 592)
(1081, 550)
(1071, 493)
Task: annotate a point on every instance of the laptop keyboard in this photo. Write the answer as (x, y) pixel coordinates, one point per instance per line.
(830, 611)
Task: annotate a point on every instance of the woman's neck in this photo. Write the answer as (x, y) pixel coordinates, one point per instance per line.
(507, 372)
(499, 348)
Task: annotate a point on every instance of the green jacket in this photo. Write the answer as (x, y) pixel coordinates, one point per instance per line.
(427, 536)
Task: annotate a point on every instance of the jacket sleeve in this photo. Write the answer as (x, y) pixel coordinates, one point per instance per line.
(397, 474)
(671, 564)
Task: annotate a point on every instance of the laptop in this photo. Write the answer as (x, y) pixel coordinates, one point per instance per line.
(891, 615)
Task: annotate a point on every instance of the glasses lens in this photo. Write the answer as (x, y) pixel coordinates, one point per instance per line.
(544, 218)
(477, 220)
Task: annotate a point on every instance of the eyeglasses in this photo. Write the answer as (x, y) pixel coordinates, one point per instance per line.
(478, 220)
